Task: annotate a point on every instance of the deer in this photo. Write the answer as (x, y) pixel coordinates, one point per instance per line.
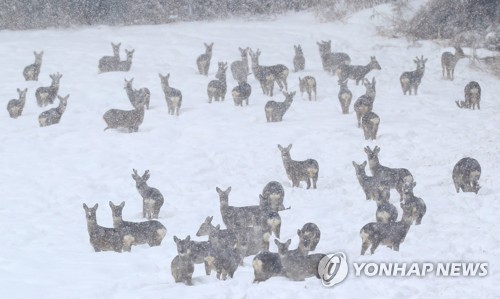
(241, 93)
(104, 238)
(278, 71)
(152, 199)
(272, 196)
(449, 61)
(182, 266)
(395, 177)
(203, 61)
(107, 62)
(128, 119)
(345, 97)
(16, 107)
(370, 122)
(173, 96)
(411, 80)
(47, 95)
(276, 110)
(32, 71)
(413, 207)
(297, 266)
(372, 187)
(309, 237)
(147, 232)
(358, 72)
(386, 212)
(332, 61)
(262, 74)
(53, 115)
(223, 238)
(217, 88)
(472, 93)
(466, 174)
(391, 234)
(299, 62)
(308, 84)
(364, 103)
(298, 171)
(137, 97)
(266, 265)
(239, 68)
(118, 65)
(224, 262)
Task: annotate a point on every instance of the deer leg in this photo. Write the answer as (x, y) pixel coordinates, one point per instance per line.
(143, 209)
(315, 179)
(364, 247)
(308, 181)
(457, 187)
(374, 246)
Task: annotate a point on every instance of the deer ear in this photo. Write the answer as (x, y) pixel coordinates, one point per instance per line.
(289, 146)
(95, 206)
(299, 232)
(85, 207)
(228, 189)
(288, 242)
(188, 238)
(353, 163)
(218, 190)
(280, 147)
(363, 164)
(122, 204)
(176, 240)
(111, 204)
(217, 227)
(276, 242)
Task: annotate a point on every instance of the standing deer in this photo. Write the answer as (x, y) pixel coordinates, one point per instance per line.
(53, 115)
(203, 61)
(298, 171)
(217, 88)
(147, 232)
(241, 93)
(370, 122)
(364, 103)
(449, 61)
(345, 97)
(411, 80)
(107, 62)
(391, 234)
(104, 238)
(128, 119)
(47, 95)
(472, 93)
(239, 68)
(278, 71)
(394, 177)
(16, 107)
(32, 71)
(114, 65)
(173, 96)
(308, 84)
(358, 72)
(372, 187)
(182, 266)
(332, 61)
(413, 207)
(152, 199)
(276, 110)
(386, 212)
(137, 97)
(262, 74)
(272, 196)
(309, 237)
(299, 62)
(466, 174)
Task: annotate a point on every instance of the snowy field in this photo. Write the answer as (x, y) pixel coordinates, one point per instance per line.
(47, 173)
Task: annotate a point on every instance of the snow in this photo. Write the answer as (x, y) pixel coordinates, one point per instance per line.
(49, 172)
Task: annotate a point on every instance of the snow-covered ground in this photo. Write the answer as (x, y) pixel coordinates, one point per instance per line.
(47, 173)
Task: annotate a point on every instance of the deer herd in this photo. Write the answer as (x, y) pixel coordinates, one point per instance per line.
(249, 229)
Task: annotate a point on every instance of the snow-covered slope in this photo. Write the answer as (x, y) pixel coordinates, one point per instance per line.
(47, 173)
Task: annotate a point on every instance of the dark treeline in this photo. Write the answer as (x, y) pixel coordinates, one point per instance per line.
(449, 19)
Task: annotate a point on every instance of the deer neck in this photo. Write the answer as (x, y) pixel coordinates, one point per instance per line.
(61, 108)
(374, 164)
(287, 161)
(224, 203)
(91, 225)
(142, 187)
(117, 221)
